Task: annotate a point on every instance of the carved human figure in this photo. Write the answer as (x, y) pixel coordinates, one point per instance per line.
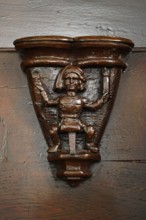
(70, 106)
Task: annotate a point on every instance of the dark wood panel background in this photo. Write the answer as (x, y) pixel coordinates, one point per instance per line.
(28, 189)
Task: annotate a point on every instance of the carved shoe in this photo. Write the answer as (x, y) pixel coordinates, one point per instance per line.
(91, 147)
(53, 148)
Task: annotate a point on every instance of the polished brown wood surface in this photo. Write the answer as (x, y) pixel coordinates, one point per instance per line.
(28, 189)
(73, 103)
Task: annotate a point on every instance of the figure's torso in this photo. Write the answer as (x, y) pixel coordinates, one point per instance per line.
(71, 106)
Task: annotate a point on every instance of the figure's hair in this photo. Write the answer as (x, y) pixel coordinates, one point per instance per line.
(59, 82)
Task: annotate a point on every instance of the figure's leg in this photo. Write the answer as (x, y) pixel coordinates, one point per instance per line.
(53, 132)
(90, 134)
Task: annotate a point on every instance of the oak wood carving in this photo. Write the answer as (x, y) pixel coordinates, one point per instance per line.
(73, 82)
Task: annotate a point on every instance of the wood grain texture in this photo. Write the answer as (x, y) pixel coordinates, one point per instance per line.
(28, 189)
(116, 191)
(128, 119)
(20, 18)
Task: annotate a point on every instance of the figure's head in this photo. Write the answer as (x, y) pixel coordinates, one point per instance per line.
(70, 78)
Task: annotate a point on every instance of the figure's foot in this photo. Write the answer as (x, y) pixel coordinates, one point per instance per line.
(53, 148)
(91, 147)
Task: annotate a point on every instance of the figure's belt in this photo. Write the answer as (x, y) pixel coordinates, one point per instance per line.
(69, 115)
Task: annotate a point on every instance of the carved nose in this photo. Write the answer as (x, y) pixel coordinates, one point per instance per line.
(71, 80)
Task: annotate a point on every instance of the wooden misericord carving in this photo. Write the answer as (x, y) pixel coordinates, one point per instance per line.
(73, 83)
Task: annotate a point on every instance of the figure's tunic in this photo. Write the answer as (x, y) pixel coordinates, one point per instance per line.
(70, 108)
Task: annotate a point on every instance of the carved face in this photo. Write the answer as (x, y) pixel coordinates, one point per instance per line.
(72, 82)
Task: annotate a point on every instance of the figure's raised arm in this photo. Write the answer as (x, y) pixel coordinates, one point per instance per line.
(96, 104)
(106, 92)
(50, 102)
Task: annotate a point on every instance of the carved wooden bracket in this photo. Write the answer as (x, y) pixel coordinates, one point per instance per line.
(73, 83)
